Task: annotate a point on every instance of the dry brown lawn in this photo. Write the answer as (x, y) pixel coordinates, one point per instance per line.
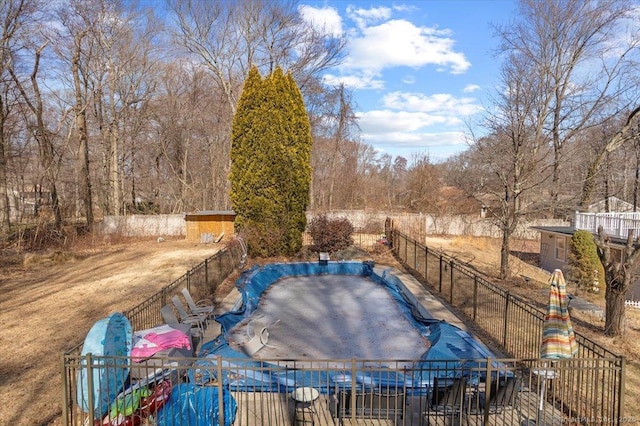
(48, 302)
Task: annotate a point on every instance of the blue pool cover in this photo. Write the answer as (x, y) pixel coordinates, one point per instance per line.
(452, 350)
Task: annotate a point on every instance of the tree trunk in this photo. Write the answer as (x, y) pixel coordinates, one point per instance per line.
(615, 310)
(84, 179)
(114, 172)
(618, 275)
(114, 151)
(5, 222)
(504, 253)
(47, 150)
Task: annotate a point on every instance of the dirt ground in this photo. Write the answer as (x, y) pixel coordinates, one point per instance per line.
(49, 301)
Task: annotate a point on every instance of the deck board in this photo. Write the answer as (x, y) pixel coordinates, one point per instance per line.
(272, 408)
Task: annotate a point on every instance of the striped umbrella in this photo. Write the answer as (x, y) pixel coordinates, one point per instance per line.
(558, 339)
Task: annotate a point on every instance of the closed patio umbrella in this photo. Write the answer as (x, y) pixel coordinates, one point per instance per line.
(558, 338)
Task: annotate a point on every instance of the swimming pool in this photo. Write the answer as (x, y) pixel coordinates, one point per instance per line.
(338, 310)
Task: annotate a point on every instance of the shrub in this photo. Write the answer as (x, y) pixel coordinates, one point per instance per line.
(585, 268)
(330, 235)
(270, 164)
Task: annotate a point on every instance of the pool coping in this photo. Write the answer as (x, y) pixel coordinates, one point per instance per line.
(434, 306)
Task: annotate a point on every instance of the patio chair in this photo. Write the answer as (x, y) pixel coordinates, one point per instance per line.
(202, 306)
(196, 321)
(502, 395)
(169, 317)
(372, 403)
(448, 399)
(258, 337)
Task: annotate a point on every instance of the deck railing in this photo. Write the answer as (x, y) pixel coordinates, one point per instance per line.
(574, 391)
(214, 390)
(512, 323)
(615, 225)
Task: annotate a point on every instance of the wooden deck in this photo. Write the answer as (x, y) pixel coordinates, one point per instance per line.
(275, 409)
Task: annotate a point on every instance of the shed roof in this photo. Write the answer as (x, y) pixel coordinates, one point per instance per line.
(569, 230)
(212, 213)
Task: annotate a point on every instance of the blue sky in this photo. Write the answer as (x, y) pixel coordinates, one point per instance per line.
(420, 71)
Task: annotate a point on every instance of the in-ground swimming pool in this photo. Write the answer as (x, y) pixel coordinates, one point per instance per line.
(337, 310)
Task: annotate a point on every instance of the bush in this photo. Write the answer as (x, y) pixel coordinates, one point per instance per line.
(330, 235)
(585, 268)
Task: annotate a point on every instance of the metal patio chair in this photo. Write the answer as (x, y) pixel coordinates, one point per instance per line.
(448, 399)
(202, 306)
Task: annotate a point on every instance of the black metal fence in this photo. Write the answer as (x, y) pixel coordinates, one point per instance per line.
(574, 391)
(202, 281)
(339, 392)
(596, 388)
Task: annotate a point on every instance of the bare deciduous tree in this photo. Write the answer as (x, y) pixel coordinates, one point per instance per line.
(626, 131)
(618, 275)
(14, 17)
(561, 39)
(515, 150)
(423, 185)
(228, 37)
(49, 159)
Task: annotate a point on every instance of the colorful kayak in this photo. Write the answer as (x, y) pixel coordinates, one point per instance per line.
(110, 337)
(132, 408)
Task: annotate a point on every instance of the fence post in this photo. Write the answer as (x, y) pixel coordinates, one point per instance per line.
(406, 243)
(65, 394)
(506, 312)
(621, 387)
(353, 393)
(189, 279)
(426, 262)
(451, 263)
(440, 277)
(206, 272)
(415, 255)
(221, 401)
(90, 390)
(475, 297)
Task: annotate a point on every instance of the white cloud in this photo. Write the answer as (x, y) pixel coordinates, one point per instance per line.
(439, 103)
(414, 122)
(387, 121)
(364, 17)
(401, 43)
(409, 79)
(414, 141)
(358, 81)
(404, 8)
(470, 88)
(326, 19)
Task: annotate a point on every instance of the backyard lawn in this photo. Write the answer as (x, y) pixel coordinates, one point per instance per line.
(49, 301)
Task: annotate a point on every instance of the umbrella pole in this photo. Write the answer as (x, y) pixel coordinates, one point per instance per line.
(545, 373)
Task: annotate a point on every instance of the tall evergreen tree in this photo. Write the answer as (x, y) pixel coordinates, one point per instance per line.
(271, 164)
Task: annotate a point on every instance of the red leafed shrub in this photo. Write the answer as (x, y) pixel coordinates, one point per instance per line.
(330, 235)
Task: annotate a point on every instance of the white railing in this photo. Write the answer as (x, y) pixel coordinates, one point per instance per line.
(614, 224)
(632, 303)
